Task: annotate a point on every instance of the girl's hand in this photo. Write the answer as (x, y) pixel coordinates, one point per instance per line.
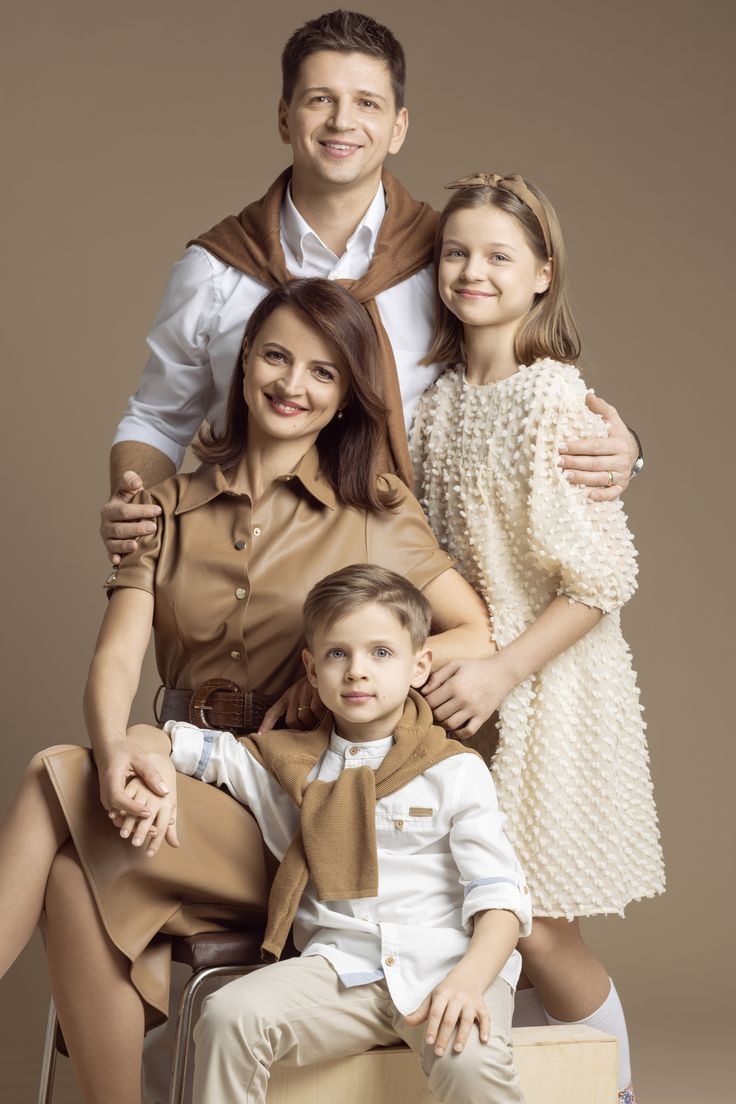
(463, 694)
(117, 766)
(301, 706)
(453, 1004)
(159, 823)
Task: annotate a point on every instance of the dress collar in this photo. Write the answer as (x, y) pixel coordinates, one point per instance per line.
(208, 481)
(295, 229)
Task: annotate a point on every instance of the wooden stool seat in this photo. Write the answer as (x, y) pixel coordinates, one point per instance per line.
(557, 1065)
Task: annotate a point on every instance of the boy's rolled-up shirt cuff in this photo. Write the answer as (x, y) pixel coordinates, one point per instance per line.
(498, 893)
(190, 747)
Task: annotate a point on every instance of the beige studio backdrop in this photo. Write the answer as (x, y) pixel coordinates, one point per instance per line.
(130, 127)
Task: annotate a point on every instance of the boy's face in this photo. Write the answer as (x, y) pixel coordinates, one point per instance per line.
(342, 121)
(363, 666)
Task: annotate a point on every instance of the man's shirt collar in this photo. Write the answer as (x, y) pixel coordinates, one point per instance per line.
(297, 232)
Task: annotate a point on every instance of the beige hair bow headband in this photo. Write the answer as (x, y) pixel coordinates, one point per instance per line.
(513, 184)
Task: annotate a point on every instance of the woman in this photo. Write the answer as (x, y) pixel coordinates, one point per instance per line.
(286, 494)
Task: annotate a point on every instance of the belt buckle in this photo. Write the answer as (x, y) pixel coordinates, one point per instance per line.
(198, 704)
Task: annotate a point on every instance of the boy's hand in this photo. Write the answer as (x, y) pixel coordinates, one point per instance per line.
(463, 694)
(159, 823)
(455, 1004)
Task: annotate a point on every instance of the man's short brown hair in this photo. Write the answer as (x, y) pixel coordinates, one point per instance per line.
(346, 590)
(344, 32)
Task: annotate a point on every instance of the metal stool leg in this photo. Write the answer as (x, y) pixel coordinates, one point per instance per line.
(184, 1023)
(48, 1063)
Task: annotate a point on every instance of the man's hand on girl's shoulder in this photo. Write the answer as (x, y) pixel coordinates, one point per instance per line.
(602, 463)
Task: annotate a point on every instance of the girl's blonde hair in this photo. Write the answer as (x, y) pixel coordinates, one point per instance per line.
(549, 329)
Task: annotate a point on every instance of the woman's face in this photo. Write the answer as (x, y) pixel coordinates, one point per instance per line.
(295, 381)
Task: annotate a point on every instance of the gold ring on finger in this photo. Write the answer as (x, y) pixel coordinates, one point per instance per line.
(301, 708)
(610, 479)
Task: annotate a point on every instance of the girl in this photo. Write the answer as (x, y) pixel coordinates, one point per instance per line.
(286, 494)
(571, 766)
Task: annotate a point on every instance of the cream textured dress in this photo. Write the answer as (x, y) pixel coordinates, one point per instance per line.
(571, 769)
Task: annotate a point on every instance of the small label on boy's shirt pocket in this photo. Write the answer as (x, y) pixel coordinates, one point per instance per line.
(418, 811)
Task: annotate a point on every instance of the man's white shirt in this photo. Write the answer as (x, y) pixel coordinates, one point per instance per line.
(442, 857)
(196, 337)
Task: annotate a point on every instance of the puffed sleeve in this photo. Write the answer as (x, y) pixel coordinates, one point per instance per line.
(586, 543)
(138, 569)
(402, 540)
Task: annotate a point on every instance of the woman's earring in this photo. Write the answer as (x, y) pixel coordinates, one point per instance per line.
(339, 415)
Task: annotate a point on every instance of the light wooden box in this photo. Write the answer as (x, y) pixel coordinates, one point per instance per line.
(557, 1065)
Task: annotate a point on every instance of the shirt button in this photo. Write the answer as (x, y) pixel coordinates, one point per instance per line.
(390, 961)
(239, 546)
(256, 532)
(354, 750)
(399, 823)
(241, 592)
(235, 655)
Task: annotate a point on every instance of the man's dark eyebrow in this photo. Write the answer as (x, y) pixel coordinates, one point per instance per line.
(324, 89)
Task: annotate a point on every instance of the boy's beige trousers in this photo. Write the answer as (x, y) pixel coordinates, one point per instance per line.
(298, 1012)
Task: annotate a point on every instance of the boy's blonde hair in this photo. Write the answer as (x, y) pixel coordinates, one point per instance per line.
(549, 329)
(346, 590)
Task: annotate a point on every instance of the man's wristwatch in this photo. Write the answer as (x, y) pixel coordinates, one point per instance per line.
(639, 462)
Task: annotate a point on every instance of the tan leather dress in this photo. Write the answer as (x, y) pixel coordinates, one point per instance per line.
(229, 580)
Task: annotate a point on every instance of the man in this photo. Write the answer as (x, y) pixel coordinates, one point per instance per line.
(342, 111)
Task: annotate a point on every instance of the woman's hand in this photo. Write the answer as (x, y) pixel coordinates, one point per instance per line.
(301, 706)
(117, 765)
(159, 821)
(463, 694)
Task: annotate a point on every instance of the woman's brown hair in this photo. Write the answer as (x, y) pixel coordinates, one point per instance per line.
(347, 446)
(549, 329)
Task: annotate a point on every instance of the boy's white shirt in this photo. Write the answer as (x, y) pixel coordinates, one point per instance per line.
(442, 857)
(197, 334)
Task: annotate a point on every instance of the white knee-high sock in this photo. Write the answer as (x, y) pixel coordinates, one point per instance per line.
(609, 1018)
(528, 1009)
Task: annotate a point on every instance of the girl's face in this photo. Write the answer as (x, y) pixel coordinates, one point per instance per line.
(488, 273)
(295, 381)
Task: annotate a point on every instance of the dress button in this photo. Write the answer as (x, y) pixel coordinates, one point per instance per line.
(235, 655)
(241, 592)
(256, 532)
(390, 961)
(239, 546)
(354, 750)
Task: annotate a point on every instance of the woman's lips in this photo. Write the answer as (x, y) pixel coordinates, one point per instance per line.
(283, 407)
(467, 294)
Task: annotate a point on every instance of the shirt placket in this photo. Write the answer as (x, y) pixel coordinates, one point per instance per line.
(242, 546)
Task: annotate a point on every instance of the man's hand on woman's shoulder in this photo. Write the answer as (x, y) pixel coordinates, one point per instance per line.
(122, 521)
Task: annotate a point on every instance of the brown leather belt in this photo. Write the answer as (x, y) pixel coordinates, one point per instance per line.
(217, 703)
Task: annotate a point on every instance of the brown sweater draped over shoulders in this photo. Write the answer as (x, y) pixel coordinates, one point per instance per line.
(335, 844)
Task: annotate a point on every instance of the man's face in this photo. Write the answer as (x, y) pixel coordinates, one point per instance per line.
(342, 121)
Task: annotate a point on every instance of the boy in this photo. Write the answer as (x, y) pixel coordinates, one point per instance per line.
(405, 896)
